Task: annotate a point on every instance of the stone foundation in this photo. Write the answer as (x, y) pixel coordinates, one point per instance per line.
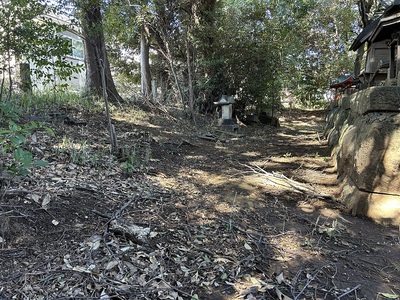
(363, 131)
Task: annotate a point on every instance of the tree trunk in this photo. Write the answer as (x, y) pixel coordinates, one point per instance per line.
(358, 60)
(204, 15)
(25, 77)
(190, 79)
(145, 63)
(95, 54)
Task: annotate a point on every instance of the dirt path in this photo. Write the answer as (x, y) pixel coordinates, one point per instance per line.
(247, 182)
(250, 217)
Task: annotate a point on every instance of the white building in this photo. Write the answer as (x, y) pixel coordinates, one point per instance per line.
(77, 81)
(22, 71)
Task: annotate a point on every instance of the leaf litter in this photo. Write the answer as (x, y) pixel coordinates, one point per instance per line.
(183, 222)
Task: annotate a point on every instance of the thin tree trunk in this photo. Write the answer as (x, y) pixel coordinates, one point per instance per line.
(190, 79)
(145, 64)
(2, 85)
(168, 57)
(111, 128)
(10, 79)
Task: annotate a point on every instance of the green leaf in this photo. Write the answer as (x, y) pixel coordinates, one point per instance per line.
(50, 131)
(21, 137)
(41, 163)
(27, 160)
(15, 141)
(22, 172)
(18, 154)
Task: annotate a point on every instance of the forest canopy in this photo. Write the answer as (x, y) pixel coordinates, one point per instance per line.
(193, 51)
(256, 50)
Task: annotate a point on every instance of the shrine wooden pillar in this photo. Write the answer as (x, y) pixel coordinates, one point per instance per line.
(394, 64)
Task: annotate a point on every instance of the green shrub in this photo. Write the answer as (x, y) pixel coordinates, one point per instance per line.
(15, 158)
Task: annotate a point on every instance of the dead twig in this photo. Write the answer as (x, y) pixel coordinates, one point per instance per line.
(120, 211)
(185, 142)
(349, 291)
(208, 137)
(310, 279)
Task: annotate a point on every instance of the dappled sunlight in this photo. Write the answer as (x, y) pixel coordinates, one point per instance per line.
(195, 157)
(133, 116)
(384, 208)
(251, 154)
(391, 204)
(209, 178)
(241, 218)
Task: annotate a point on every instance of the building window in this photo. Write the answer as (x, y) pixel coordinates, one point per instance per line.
(76, 48)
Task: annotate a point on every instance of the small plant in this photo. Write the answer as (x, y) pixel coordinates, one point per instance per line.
(147, 154)
(80, 153)
(14, 139)
(131, 164)
(49, 99)
(287, 154)
(396, 266)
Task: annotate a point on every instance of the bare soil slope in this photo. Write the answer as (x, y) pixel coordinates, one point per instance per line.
(222, 217)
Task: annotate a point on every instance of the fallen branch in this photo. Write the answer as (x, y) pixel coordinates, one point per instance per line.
(129, 230)
(135, 233)
(208, 138)
(16, 192)
(282, 180)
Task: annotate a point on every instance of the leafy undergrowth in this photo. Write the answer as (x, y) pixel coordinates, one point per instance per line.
(177, 216)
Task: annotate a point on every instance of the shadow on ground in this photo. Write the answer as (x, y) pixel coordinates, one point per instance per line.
(251, 217)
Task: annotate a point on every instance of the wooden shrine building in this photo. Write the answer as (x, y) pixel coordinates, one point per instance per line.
(381, 41)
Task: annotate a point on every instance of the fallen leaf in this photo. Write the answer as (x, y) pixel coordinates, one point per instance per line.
(46, 201)
(254, 280)
(246, 293)
(33, 197)
(280, 278)
(389, 296)
(185, 270)
(248, 247)
(104, 296)
(34, 137)
(221, 259)
(153, 234)
(112, 264)
(94, 242)
(280, 295)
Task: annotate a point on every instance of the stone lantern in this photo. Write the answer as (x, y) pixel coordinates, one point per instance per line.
(226, 120)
